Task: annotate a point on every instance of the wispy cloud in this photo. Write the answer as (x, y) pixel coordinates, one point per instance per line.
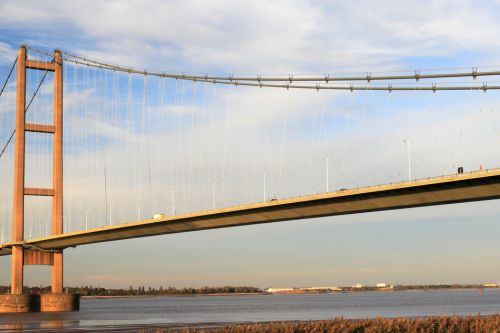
(260, 36)
(7, 54)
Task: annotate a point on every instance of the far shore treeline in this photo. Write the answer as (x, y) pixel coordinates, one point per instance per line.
(141, 290)
(152, 291)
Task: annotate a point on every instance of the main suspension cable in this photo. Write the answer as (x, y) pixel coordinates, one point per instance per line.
(258, 81)
(474, 73)
(8, 77)
(26, 110)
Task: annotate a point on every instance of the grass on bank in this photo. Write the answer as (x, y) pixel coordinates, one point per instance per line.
(455, 324)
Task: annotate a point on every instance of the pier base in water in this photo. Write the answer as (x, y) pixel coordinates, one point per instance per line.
(59, 302)
(23, 303)
(20, 303)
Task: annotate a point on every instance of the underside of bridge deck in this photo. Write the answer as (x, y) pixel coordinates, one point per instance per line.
(474, 186)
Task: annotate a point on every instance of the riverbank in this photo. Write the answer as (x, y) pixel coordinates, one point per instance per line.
(100, 292)
(456, 324)
(299, 292)
(177, 295)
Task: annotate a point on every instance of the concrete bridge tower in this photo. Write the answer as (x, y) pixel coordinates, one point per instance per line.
(57, 300)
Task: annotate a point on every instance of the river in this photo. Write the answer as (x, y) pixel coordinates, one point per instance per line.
(130, 313)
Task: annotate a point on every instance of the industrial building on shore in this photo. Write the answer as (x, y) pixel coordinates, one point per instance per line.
(317, 290)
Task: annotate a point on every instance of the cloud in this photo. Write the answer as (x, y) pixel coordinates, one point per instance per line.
(261, 36)
(7, 54)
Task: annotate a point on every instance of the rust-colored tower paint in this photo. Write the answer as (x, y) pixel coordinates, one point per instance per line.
(18, 227)
(57, 175)
(56, 301)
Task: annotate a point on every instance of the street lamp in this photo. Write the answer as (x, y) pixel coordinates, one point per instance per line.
(327, 172)
(213, 195)
(68, 224)
(173, 202)
(110, 214)
(408, 142)
(264, 186)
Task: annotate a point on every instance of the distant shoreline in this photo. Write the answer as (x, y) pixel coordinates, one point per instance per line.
(176, 295)
(289, 293)
(141, 291)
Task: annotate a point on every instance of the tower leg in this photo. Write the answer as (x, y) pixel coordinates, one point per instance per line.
(16, 301)
(57, 175)
(58, 301)
(18, 227)
(16, 286)
(57, 273)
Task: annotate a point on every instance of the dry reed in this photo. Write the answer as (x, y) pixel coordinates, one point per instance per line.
(448, 324)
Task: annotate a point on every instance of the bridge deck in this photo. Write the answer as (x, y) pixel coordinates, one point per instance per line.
(473, 186)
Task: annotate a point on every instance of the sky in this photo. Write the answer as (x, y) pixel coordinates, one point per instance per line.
(162, 145)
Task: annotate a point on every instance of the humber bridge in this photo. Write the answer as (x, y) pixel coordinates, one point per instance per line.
(137, 145)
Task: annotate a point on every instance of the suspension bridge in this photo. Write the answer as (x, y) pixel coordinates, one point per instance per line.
(150, 153)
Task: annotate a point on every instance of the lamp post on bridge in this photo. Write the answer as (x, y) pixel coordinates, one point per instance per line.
(173, 201)
(214, 184)
(264, 186)
(327, 173)
(408, 142)
(65, 219)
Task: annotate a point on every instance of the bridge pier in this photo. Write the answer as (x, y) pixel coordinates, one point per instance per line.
(23, 303)
(17, 301)
(59, 302)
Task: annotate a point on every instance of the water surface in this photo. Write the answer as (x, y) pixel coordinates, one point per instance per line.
(129, 313)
